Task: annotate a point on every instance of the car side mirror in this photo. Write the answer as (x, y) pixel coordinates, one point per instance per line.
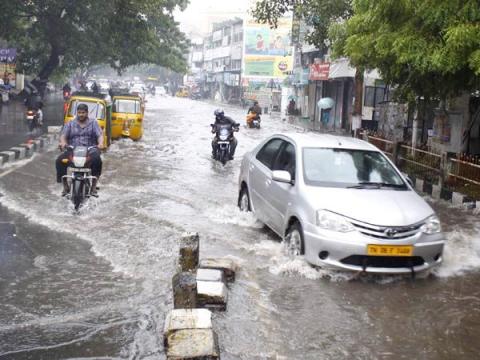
(282, 176)
(409, 180)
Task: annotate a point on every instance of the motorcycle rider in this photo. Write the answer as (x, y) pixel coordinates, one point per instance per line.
(221, 119)
(81, 131)
(255, 109)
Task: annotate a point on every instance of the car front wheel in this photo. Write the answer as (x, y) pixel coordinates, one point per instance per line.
(294, 244)
(244, 200)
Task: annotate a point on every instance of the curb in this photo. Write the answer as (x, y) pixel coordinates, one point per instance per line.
(27, 150)
(440, 193)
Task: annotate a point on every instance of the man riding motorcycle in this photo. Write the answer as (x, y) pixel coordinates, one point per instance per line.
(81, 131)
(221, 119)
(255, 109)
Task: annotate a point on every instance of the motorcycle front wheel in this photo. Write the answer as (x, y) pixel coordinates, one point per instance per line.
(77, 193)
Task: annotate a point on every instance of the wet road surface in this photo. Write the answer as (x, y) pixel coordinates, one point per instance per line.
(97, 284)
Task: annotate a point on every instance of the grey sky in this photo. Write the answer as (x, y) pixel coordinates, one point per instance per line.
(199, 15)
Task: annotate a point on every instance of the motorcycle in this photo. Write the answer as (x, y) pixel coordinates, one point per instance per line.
(32, 120)
(224, 137)
(80, 180)
(253, 121)
(195, 96)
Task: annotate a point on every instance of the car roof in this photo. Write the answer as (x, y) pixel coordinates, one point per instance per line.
(305, 140)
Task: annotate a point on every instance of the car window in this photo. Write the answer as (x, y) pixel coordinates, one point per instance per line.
(286, 160)
(269, 152)
(346, 167)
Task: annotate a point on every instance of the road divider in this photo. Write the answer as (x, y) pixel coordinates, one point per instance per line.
(199, 286)
(26, 150)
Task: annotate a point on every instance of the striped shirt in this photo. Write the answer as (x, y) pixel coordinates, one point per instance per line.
(82, 136)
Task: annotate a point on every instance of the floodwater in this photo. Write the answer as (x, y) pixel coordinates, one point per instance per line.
(97, 285)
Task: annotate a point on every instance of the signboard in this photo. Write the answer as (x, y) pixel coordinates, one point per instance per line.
(267, 52)
(319, 71)
(8, 55)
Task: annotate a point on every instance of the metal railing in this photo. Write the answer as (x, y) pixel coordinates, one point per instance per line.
(420, 163)
(387, 146)
(464, 175)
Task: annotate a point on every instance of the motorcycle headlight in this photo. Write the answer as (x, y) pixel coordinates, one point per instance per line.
(334, 222)
(432, 225)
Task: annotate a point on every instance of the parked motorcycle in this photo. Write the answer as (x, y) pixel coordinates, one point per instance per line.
(80, 180)
(224, 137)
(253, 121)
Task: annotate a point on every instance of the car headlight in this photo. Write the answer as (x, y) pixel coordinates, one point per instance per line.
(334, 222)
(432, 225)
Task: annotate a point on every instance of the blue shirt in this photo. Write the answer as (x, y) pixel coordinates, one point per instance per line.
(78, 136)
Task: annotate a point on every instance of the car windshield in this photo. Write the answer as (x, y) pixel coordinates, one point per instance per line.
(95, 110)
(127, 106)
(348, 168)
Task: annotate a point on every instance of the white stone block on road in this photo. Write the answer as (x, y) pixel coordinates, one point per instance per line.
(228, 266)
(54, 129)
(193, 344)
(212, 294)
(210, 275)
(436, 190)
(10, 155)
(419, 185)
(182, 319)
(21, 150)
(457, 199)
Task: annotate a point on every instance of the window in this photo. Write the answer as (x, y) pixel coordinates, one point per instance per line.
(374, 95)
(126, 106)
(344, 168)
(95, 110)
(286, 160)
(269, 152)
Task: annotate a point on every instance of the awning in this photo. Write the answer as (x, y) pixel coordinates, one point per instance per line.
(341, 69)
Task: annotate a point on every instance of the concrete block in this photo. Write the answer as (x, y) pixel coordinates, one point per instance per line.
(183, 319)
(184, 287)
(212, 295)
(37, 144)
(193, 344)
(189, 252)
(457, 199)
(8, 156)
(436, 190)
(477, 205)
(29, 148)
(210, 275)
(54, 129)
(419, 185)
(228, 267)
(20, 152)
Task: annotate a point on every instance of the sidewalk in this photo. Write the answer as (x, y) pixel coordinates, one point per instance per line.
(307, 124)
(13, 124)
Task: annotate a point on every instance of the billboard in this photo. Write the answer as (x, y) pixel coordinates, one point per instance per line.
(268, 53)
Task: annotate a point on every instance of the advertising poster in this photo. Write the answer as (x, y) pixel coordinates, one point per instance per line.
(267, 52)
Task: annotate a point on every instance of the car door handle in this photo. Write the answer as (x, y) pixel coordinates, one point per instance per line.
(268, 182)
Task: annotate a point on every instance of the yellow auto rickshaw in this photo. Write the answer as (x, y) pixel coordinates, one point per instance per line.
(99, 108)
(182, 92)
(127, 116)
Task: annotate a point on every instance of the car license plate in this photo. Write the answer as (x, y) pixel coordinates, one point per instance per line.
(390, 250)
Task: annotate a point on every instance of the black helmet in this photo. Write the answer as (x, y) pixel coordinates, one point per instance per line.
(219, 113)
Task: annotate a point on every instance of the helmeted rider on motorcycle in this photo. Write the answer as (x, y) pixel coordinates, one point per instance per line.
(81, 131)
(255, 109)
(221, 119)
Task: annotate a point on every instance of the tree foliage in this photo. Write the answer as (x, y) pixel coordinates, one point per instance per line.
(427, 48)
(66, 34)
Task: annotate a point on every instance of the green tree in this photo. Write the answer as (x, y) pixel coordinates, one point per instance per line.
(62, 35)
(428, 48)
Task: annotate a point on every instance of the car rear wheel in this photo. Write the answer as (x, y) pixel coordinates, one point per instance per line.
(244, 200)
(294, 244)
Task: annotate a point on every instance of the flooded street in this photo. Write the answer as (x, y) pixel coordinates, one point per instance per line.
(97, 285)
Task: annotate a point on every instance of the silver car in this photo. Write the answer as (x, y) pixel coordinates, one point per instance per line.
(341, 203)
